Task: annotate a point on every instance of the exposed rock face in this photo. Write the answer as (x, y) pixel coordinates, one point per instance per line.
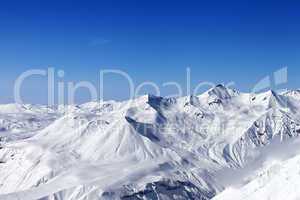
(170, 190)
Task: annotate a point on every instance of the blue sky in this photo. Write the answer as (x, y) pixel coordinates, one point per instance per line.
(221, 41)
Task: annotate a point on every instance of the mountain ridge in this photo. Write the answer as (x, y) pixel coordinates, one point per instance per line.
(175, 144)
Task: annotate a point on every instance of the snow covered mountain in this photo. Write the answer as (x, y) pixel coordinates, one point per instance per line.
(222, 144)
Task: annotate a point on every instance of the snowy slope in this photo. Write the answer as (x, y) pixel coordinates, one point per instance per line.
(273, 175)
(150, 147)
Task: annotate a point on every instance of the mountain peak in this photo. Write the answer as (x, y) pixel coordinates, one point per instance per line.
(292, 93)
(221, 92)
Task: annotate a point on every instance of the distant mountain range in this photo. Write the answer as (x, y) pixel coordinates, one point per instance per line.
(222, 144)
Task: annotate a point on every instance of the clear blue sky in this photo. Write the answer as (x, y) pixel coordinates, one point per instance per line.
(221, 41)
